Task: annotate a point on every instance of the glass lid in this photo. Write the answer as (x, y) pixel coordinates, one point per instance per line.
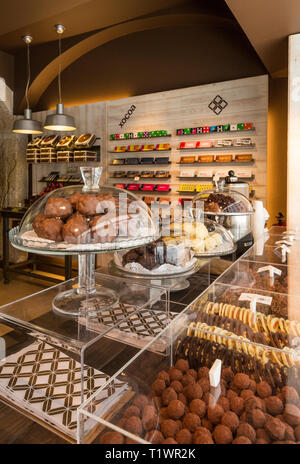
(91, 218)
(205, 237)
(224, 202)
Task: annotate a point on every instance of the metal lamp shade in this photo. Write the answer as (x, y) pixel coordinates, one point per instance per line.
(60, 121)
(27, 125)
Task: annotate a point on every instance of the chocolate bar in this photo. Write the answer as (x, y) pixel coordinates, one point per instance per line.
(145, 174)
(147, 160)
(147, 148)
(187, 145)
(223, 158)
(120, 186)
(118, 161)
(133, 187)
(162, 146)
(163, 188)
(243, 158)
(132, 174)
(162, 174)
(187, 159)
(204, 144)
(134, 148)
(206, 159)
(132, 161)
(119, 174)
(120, 149)
(164, 160)
(148, 187)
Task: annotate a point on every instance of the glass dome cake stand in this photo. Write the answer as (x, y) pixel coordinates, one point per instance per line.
(85, 221)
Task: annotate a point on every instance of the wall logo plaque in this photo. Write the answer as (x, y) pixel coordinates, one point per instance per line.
(218, 104)
(127, 116)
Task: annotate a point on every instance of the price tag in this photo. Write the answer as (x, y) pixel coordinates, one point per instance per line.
(136, 178)
(272, 270)
(255, 298)
(215, 373)
(285, 242)
(284, 250)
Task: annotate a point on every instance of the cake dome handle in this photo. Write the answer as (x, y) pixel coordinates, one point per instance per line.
(91, 178)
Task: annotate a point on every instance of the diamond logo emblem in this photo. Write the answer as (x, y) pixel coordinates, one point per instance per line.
(218, 104)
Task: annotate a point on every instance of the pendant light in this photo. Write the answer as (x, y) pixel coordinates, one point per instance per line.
(27, 125)
(59, 121)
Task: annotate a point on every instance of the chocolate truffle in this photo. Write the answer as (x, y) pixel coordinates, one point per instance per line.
(112, 438)
(169, 441)
(175, 409)
(290, 395)
(289, 432)
(191, 421)
(254, 403)
(49, 228)
(263, 434)
(231, 394)
(227, 374)
(237, 405)
(182, 365)
(198, 407)
(261, 441)
(297, 432)
(168, 395)
(158, 386)
(275, 428)
(256, 418)
(163, 375)
(245, 394)
(74, 198)
(149, 418)
(204, 383)
(193, 373)
(88, 205)
(241, 440)
(252, 385)
(184, 437)
(231, 420)
(224, 402)
(274, 405)
(175, 374)
(187, 380)
(292, 414)
(132, 411)
(207, 424)
(177, 386)
(215, 413)
(140, 401)
(246, 430)
(202, 436)
(163, 413)
(157, 401)
(154, 436)
(169, 428)
(263, 389)
(134, 425)
(104, 229)
(182, 398)
(203, 372)
(75, 230)
(193, 391)
(58, 207)
(209, 399)
(222, 435)
(241, 381)
(37, 221)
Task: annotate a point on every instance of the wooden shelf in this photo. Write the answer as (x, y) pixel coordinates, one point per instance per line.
(140, 138)
(139, 164)
(219, 133)
(244, 147)
(195, 178)
(144, 179)
(231, 163)
(118, 153)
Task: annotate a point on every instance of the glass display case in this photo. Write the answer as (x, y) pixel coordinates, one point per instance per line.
(51, 363)
(229, 208)
(230, 376)
(84, 221)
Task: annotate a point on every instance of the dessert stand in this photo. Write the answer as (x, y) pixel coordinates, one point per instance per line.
(128, 224)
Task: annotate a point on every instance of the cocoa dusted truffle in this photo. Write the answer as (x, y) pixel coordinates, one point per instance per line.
(292, 414)
(290, 395)
(112, 438)
(207, 424)
(169, 441)
(245, 394)
(132, 411)
(182, 365)
(193, 391)
(140, 401)
(158, 386)
(237, 405)
(215, 413)
(49, 228)
(163, 375)
(202, 436)
(149, 418)
(175, 409)
(188, 380)
(169, 428)
(175, 374)
(204, 383)
(58, 207)
(263, 434)
(155, 437)
(184, 437)
(74, 198)
(241, 381)
(297, 432)
(274, 405)
(289, 432)
(263, 389)
(231, 420)
(203, 372)
(163, 412)
(241, 440)
(256, 418)
(222, 435)
(177, 386)
(227, 374)
(193, 373)
(134, 425)
(252, 385)
(168, 395)
(182, 398)
(198, 407)
(37, 221)
(191, 421)
(231, 394)
(246, 430)
(275, 428)
(224, 402)
(75, 230)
